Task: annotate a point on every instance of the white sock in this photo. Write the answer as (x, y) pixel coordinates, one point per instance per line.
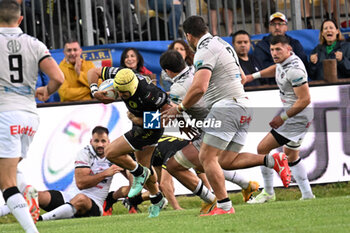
(300, 176)
(267, 174)
(61, 212)
(270, 161)
(236, 178)
(227, 205)
(21, 181)
(4, 210)
(20, 210)
(205, 193)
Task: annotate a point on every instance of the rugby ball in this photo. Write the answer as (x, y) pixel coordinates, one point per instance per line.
(107, 85)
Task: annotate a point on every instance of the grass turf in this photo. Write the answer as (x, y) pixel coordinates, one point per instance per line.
(328, 212)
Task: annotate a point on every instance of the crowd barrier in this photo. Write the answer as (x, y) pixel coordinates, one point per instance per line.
(64, 130)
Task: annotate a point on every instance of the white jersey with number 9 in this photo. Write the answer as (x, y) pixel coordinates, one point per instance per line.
(20, 55)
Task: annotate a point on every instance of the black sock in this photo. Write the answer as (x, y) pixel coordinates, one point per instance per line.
(224, 200)
(9, 192)
(136, 200)
(157, 198)
(138, 171)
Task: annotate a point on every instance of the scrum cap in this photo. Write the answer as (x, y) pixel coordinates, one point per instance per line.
(126, 80)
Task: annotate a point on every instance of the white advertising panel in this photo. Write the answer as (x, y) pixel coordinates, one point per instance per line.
(64, 130)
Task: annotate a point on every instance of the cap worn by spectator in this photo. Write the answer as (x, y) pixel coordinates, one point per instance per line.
(278, 15)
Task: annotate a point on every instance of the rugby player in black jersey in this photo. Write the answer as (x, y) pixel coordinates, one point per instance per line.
(139, 95)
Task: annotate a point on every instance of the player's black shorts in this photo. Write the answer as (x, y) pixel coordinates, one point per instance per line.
(56, 200)
(94, 211)
(139, 137)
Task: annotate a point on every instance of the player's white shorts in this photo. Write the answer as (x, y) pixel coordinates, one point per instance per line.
(17, 130)
(295, 128)
(234, 116)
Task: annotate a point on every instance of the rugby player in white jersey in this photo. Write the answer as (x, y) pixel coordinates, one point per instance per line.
(93, 176)
(218, 78)
(289, 128)
(178, 165)
(21, 56)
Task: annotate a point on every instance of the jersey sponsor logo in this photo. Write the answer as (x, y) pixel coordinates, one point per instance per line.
(13, 46)
(17, 129)
(151, 120)
(132, 104)
(198, 64)
(175, 98)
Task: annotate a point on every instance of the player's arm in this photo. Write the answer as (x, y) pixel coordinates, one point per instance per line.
(303, 94)
(268, 72)
(199, 86)
(49, 67)
(93, 75)
(135, 120)
(243, 76)
(84, 179)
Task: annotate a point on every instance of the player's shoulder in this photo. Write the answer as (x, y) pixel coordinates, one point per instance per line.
(30, 40)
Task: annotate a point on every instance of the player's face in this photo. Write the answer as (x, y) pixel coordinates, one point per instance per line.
(72, 51)
(181, 49)
(99, 142)
(280, 52)
(278, 27)
(131, 60)
(124, 95)
(242, 45)
(190, 41)
(329, 32)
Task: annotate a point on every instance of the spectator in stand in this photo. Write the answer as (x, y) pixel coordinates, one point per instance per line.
(250, 64)
(305, 14)
(278, 26)
(332, 46)
(187, 54)
(173, 10)
(213, 5)
(74, 68)
(131, 58)
(247, 10)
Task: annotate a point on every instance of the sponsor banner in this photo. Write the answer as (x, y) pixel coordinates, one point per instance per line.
(64, 130)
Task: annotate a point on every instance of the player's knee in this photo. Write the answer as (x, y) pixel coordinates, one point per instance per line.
(79, 201)
(261, 149)
(108, 153)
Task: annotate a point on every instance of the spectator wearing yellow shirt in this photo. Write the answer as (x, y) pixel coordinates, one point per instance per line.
(74, 68)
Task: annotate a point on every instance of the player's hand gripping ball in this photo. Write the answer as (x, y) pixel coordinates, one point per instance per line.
(107, 85)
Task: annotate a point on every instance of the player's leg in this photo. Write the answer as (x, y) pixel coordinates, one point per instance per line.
(80, 205)
(117, 152)
(178, 166)
(13, 146)
(267, 144)
(298, 170)
(13, 198)
(166, 185)
(51, 199)
(156, 197)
